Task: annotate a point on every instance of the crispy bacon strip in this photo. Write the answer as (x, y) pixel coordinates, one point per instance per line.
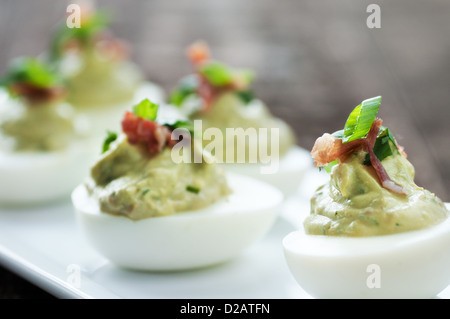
(328, 148)
(35, 94)
(152, 135)
(112, 48)
(385, 180)
(199, 53)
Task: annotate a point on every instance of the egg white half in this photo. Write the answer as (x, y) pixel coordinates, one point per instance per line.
(413, 264)
(38, 177)
(186, 240)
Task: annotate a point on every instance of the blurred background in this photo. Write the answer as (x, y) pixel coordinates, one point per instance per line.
(314, 60)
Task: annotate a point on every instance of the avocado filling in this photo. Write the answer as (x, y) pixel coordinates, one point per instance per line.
(127, 181)
(354, 203)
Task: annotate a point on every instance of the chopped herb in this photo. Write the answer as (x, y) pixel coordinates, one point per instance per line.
(146, 110)
(245, 96)
(193, 189)
(145, 191)
(90, 27)
(360, 119)
(330, 166)
(180, 124)
(338, 134)
(218, 74)
(384, 146)
(186, 87)
(32, 71)
(111, 137)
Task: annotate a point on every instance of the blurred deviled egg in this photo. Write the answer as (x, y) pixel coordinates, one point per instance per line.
(239, 128)
(147, 205)
(102, 80)
(371, 231)
(43, 144)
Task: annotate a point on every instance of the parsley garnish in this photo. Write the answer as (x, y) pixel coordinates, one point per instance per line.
(217, 73)
(186, 87)
(31, 71)
(245, 96)
(146, 110)
(385, 146)
(181, 124)
(358, 126)
(90, 27)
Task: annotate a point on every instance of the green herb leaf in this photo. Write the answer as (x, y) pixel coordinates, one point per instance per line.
(187, 86)
(111, 137)
(330, 166)
(384, 146)
(338, 134)
(193, 189)
(90, 27)
(245, 96)
(218, 74)
(360, 119)
(180, 124)
(146, 110)
(32, 71)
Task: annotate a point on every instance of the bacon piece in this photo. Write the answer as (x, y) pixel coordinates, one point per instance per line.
(198, 53)
(401, 149)
(153, 135)
(35, 94)
(113, 49)
(208, 93)
(385, 180)
(328, 148)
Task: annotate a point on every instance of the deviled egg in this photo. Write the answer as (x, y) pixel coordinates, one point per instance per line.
(44, 147)
(371, 231)
(142, 208)
(102, 80)
(239, 128)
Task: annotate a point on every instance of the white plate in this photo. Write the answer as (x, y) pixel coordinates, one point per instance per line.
(45, 246)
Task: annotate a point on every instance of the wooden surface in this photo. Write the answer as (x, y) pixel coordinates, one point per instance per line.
(315, 61)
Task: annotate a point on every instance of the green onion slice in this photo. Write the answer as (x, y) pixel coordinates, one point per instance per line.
(218, 74)
(32, 71)
(111, 137)
(146, 110)
(360, 119)
(193, 189)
